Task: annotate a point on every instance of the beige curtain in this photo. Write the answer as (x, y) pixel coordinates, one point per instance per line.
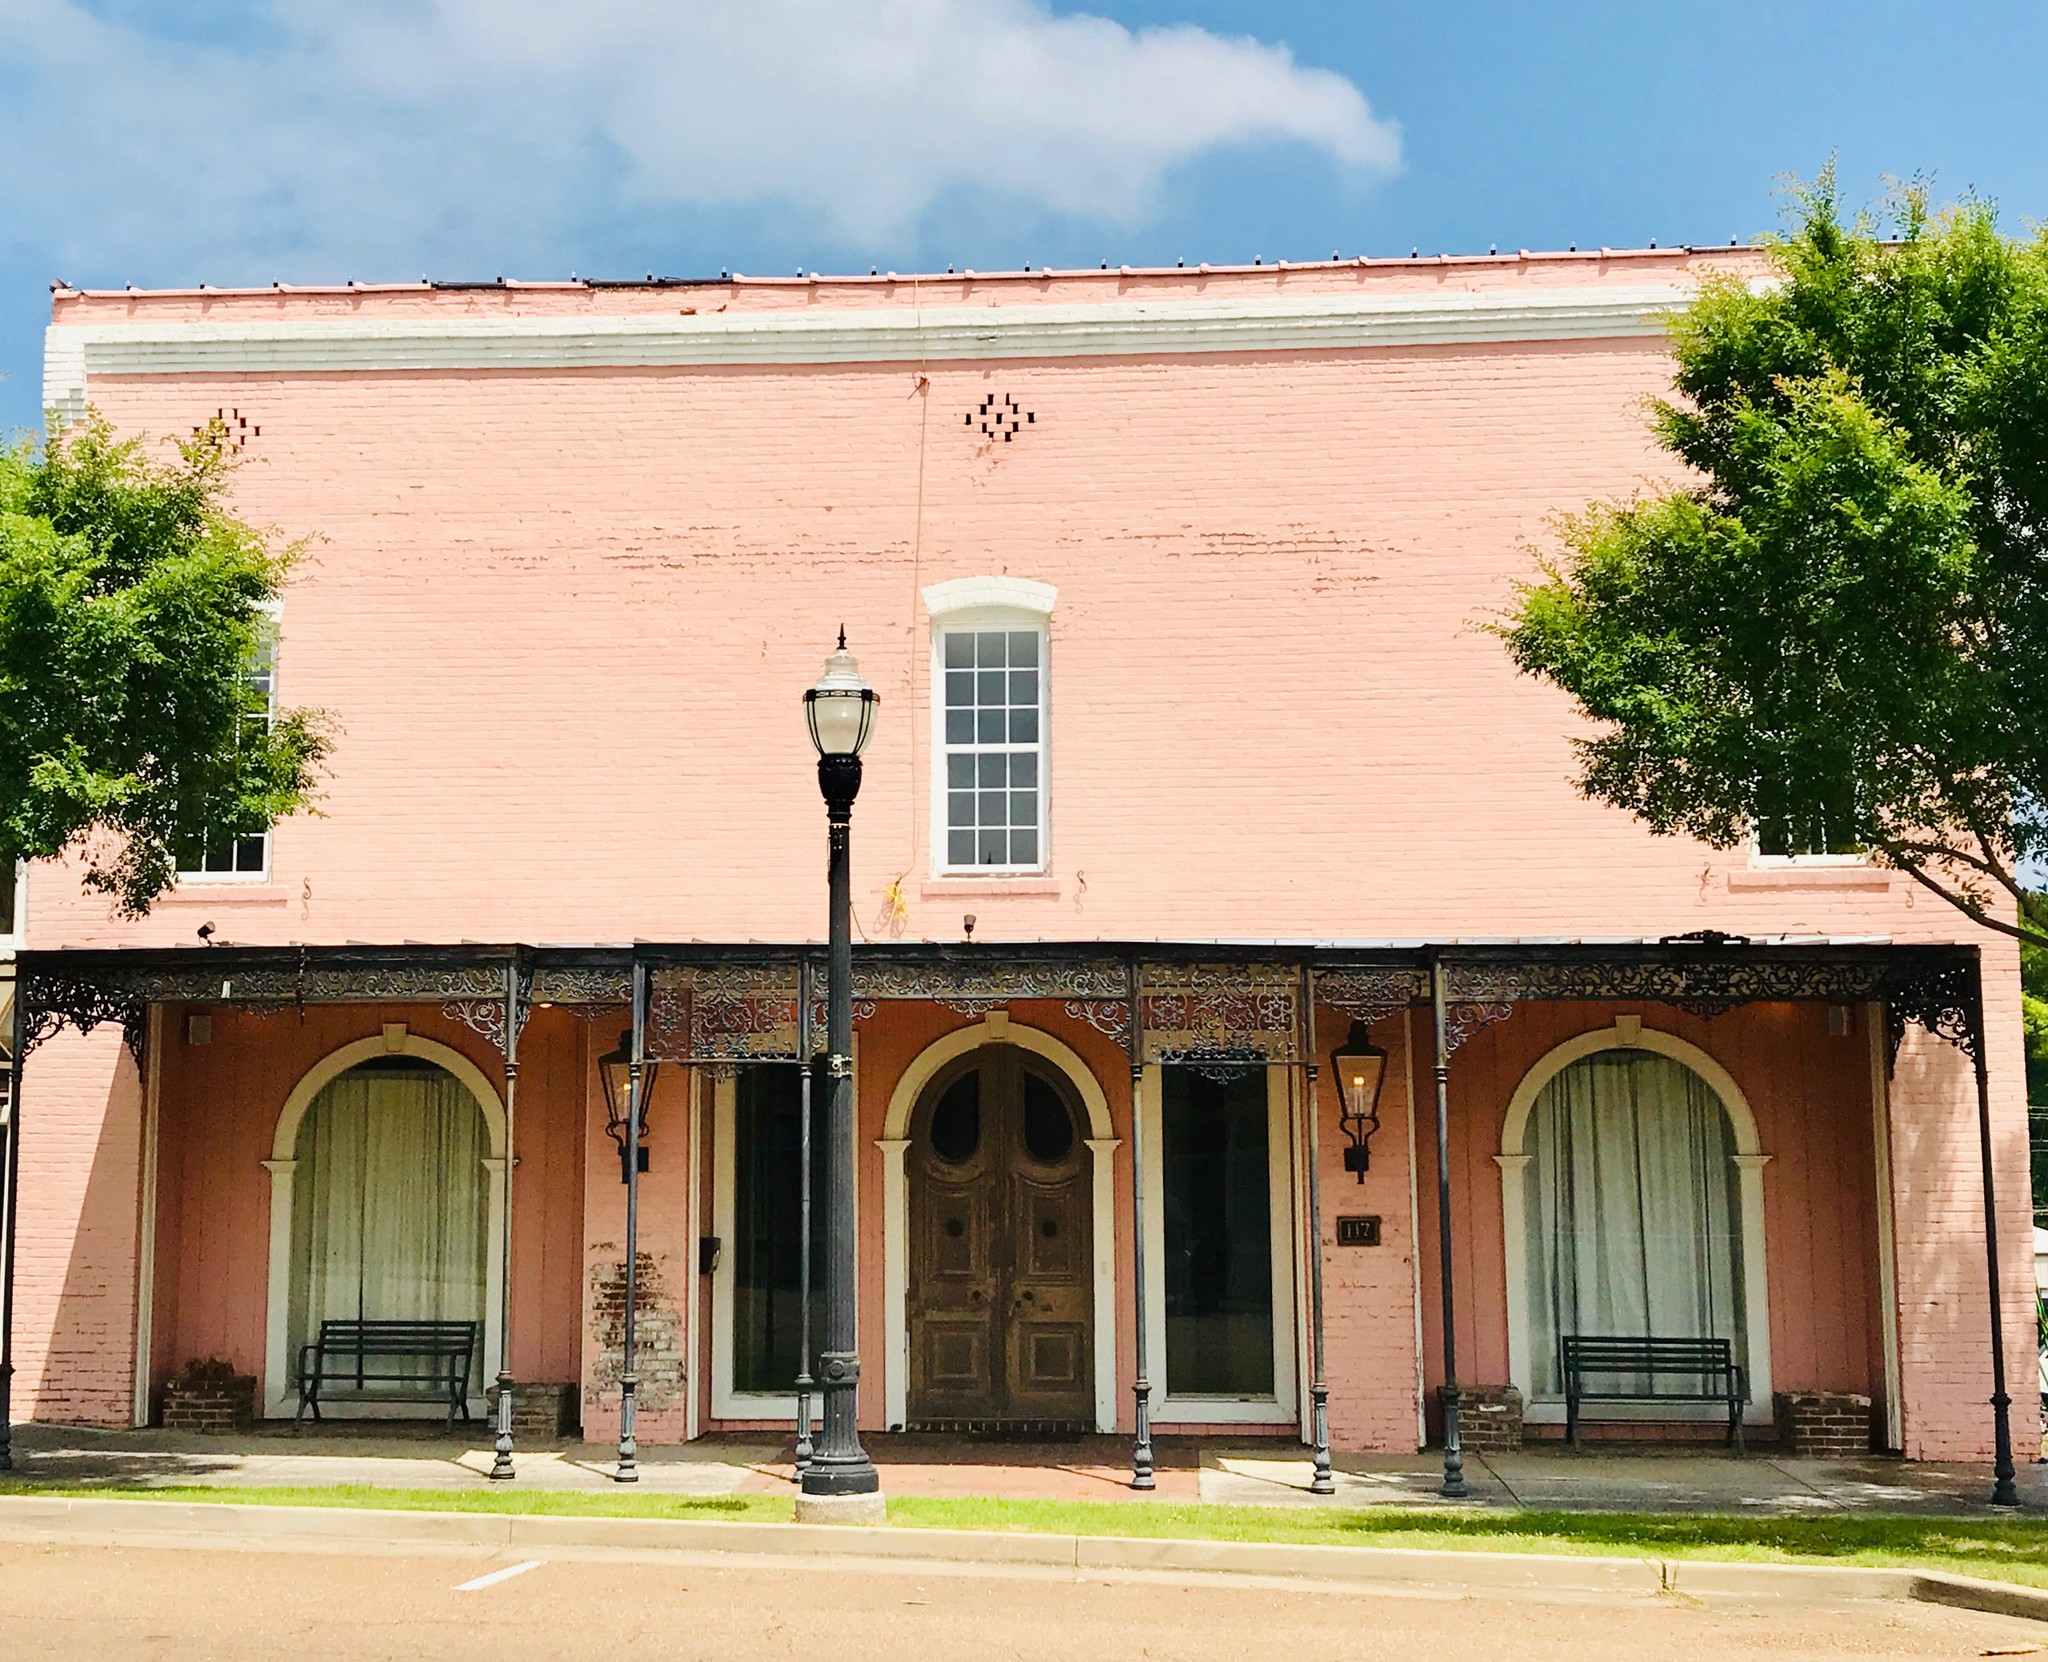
(390, 1203)
(1635, 1217)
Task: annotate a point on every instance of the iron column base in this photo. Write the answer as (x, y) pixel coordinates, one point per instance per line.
(1141, 1444)
(501, 1452)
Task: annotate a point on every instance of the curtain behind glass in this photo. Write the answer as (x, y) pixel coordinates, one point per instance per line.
(389, 1205)
(1634, 1211)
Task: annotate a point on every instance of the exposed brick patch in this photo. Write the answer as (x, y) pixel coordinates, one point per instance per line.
(657, 1336)
(1823, 1425)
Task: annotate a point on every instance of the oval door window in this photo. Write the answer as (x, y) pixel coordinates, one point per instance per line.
(956, 1120)
(1048, 1126)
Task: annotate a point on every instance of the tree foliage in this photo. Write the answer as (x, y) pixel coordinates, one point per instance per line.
(133, 609)
(1837, 630)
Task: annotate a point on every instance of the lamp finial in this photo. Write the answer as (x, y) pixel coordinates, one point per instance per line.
(842, 637)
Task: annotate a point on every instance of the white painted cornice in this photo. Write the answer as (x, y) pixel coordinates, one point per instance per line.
(74, 353)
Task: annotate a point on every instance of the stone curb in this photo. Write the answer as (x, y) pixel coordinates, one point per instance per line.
(220, 1523)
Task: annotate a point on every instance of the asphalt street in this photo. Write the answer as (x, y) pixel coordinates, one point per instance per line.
(171, 1604)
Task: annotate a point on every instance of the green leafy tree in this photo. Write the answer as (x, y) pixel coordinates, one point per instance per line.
(1834, 634)
(134, 611)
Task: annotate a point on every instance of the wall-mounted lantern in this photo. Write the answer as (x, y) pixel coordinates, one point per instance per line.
(615, 1071)
(1361, 1069)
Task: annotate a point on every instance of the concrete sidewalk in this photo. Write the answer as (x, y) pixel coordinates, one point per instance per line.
(424, 1456)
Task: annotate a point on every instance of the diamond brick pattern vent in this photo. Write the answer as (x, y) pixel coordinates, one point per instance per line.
(238, 431)
(1000, 417)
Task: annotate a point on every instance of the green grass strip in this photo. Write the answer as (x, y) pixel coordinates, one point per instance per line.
(2010, 1549)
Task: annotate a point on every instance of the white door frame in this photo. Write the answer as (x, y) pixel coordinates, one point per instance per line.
(1279, 1408)
(280, 1388)
(726, 1402)
(1629, 1033)
(995, 1029)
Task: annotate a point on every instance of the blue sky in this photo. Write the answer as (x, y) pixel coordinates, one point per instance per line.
(236, 141)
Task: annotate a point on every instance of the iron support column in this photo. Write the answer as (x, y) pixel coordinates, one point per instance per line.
(501, 1456)
(10, 1197)
(2003, 1490)
(1454, 1451)
(1141, 1388)
(804, 1381)
(628, 1470)
(1321, 1482)
(840, 1466)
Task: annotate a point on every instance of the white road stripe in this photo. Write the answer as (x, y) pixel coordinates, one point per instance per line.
(496, 1576)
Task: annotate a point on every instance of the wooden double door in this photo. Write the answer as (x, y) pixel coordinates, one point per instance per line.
(1001, 1298)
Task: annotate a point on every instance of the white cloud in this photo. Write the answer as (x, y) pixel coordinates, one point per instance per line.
(388, 131)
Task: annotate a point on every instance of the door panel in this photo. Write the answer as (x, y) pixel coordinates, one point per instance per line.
(1002, 1291)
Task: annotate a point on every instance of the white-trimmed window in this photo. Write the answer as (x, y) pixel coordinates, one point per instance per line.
(991, 651)
(221, 856)
(1804, 827)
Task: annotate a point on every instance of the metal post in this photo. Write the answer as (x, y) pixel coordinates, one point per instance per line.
(1321, 1482)
(804, 1382)
(1141, 1389)
(840, 1466)
(1454, 1451)
(10, 1197)
(629, 1381)
(501, 1456)
(2003, 1490)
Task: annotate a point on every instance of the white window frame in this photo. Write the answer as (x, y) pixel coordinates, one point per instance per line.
(974, 603)
(1277, 1408)
(1761, 861)
(273, 613)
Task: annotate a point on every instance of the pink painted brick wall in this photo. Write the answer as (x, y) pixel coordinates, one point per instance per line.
(562, 620)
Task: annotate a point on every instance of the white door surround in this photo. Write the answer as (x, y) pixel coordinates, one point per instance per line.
(280, 1390)
(1629, 1033)
(995, 1029)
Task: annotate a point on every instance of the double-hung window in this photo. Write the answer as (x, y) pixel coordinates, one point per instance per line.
(990, 715)
(224, 854)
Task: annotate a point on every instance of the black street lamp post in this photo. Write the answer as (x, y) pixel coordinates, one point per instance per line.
(841, 712)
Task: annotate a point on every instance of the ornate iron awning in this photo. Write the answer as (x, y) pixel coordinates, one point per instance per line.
(1215, 1007)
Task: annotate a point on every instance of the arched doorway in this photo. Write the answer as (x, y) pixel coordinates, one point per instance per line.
(387, 1187)
(1633, 1203)
(1001, 1297)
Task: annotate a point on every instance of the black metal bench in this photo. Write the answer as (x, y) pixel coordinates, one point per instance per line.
(1709, 1366)
(344, 1350)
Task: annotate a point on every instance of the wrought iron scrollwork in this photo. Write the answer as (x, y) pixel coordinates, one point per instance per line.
(1944, 998)
(1369, 995)
(50, 1003)
(1219, 1016)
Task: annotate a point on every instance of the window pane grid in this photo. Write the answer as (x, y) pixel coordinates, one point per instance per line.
(218, 853)
(994, 724)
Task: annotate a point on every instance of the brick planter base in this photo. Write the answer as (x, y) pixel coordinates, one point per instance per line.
(1823, 1425)
(540, 1413)
(213, 1405)
(1489, 1418)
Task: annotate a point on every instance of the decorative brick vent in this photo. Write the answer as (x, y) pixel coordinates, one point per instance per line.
(1823, 1425)
(235, 430)
(1489, 1418)
(209, 1397)
(1000, 418)
(540, 1413)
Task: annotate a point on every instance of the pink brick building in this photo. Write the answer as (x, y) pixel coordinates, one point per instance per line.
(1193, 752)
